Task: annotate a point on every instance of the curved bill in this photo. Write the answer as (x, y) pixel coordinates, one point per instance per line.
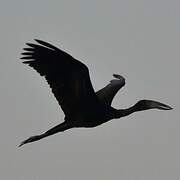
(158, 105)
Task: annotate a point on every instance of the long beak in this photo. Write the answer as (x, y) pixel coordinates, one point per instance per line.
(158, 105)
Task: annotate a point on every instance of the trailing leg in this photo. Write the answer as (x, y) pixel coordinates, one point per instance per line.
(59, 128)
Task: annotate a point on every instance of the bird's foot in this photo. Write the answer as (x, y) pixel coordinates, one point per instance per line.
(31, 139)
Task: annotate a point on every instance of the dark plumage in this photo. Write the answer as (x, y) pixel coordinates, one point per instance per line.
(71, 85)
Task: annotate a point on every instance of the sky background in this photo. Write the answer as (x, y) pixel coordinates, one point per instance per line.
(137, 39)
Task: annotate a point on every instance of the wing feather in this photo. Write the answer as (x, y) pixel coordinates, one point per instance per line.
(68, 78)
(107, 93)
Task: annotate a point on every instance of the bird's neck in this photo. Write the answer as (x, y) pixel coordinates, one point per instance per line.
(125, 112)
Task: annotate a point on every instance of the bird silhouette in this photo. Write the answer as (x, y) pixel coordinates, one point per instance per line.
(71, 85)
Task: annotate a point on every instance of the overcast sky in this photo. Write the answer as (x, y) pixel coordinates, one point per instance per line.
(137, 39)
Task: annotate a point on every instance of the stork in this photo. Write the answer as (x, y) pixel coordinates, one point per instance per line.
(70, 82)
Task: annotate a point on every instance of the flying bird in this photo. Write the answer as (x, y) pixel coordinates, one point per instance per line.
(70, 83)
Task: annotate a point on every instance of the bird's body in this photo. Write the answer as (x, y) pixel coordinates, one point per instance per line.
(70, 83)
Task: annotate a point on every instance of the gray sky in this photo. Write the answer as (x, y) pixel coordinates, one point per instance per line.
(137, 39)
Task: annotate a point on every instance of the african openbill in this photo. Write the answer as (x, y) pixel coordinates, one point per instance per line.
(71, 85)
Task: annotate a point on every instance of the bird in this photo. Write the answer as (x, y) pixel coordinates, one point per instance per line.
(70, 83)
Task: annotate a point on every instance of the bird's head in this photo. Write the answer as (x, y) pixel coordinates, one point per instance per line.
(149, 104)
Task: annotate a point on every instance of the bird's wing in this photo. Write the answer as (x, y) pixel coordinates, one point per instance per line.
(107, 93)
(68, 78)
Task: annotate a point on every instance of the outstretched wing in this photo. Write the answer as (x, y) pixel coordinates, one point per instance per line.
(68, 78)
(107, 93)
